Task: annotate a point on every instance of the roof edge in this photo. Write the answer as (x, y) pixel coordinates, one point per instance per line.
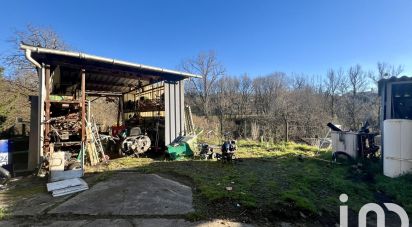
(80, 55)
(384, 81)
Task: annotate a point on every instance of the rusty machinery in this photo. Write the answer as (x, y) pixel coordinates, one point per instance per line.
(133, 142)
(364, 143)
(228, 150)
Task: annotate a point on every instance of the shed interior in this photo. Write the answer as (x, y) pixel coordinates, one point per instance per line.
(140, 96)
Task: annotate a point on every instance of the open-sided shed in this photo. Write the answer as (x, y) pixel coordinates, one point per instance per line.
(80, 76)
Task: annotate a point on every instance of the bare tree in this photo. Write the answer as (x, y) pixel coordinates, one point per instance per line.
(225, 98)
(23, 73)
(306, 115)
(385, 71)
(281, 107)
(267, 91)
(245, 90)
(357, 83)
(206, 65)
(333, 83)
(299, 81)
(357, 79)
(22, 80)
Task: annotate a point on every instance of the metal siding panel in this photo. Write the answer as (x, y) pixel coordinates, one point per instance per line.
(174, 110)
(177, 109)
(182, 106)
(172, 113)
(167, 115)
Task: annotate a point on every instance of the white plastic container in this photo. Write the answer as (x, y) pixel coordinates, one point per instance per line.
(397, 147)
(346, 142)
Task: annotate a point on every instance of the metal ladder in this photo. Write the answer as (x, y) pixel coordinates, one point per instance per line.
(97, 141)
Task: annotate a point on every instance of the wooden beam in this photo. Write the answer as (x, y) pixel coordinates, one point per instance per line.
(121, 106)
(121, 87)
(118, 110)
(103, 94)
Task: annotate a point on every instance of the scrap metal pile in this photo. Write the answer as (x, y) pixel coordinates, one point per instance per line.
(144, 104)
(227, 151)
(353, 145)
(64, 143)
(64, 140)
(63, 127)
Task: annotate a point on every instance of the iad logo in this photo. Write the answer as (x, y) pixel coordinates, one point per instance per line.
(380, 213)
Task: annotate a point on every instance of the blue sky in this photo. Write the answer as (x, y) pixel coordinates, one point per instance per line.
(254, 37)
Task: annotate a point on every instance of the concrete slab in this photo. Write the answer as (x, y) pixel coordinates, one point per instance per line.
(147, 222)
(131, 194)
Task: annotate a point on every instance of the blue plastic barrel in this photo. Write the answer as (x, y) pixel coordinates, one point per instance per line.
(4, 152)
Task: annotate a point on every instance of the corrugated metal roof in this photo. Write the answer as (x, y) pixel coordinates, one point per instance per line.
(105, 61)
(395, 79)
(383, 82)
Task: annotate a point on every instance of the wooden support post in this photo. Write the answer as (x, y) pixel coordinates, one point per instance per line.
(119, 110)
(83, 102)
(122, 109)
(47, 110)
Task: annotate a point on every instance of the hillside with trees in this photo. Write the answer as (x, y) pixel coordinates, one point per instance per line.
(282, 106)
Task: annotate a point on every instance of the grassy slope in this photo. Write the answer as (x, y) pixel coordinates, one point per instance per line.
(285, 180)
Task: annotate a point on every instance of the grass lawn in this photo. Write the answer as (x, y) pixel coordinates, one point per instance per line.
(281, 182)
